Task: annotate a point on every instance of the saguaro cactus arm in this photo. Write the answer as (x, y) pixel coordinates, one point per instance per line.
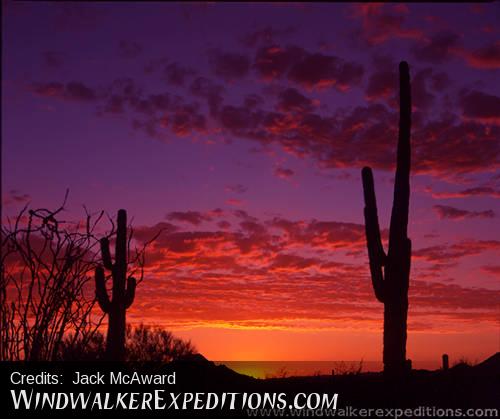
(376, 252)
(100, 290)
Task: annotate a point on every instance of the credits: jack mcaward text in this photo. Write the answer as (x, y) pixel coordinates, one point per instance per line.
(122, 378)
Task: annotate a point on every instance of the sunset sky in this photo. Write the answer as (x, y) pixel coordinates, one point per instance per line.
(241, 131)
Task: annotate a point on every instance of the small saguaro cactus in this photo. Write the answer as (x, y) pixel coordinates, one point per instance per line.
(446, 362)
(391, 273)
(123, 290)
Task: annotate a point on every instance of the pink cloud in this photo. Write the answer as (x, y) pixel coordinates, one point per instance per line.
(445, 211)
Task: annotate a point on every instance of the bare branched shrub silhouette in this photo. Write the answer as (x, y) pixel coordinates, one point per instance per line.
(391, 273)
(92, 349)
(45, 283)
(147, 343)
(281, 372)
(348, 368)
(142, 344)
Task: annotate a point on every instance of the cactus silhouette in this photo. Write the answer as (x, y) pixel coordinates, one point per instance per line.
(391, 273)
(446, 362)
(123, 290)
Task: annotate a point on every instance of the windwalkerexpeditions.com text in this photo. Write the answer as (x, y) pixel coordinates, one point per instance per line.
(162, 400)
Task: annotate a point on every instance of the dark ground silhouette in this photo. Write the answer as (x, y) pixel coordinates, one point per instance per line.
(461, 386)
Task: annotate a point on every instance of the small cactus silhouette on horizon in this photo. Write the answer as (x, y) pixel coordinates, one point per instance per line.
(123, 291)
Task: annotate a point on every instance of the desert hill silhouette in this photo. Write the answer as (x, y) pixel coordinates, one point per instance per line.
(461, 386)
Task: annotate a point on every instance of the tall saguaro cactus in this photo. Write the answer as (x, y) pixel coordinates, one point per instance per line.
(123, 290)
(391, 273)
